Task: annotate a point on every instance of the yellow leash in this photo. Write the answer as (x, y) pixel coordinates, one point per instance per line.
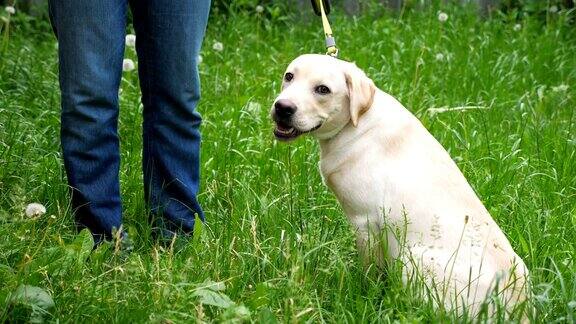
(331, 48)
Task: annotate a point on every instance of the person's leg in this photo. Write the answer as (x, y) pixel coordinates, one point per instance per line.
(168, 40)
(91, 48)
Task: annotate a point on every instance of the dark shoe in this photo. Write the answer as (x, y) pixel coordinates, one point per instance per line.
(123, 245)
(120, 245)
(171, 240)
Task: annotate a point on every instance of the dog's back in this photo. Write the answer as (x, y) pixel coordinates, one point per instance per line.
(397, 176)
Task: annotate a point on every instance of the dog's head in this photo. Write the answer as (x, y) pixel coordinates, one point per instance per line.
(320, 95)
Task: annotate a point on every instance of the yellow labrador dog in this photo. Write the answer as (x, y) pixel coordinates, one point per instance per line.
(389, 172)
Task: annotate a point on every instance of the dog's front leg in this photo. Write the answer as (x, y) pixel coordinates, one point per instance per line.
(369, 240)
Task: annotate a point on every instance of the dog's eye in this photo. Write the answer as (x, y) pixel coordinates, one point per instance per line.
(322, 89)
(288, 77)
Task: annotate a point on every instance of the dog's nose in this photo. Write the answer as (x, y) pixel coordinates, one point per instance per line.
(284, 109)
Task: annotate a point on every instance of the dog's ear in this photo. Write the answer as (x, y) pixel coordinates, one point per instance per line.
(361, 91)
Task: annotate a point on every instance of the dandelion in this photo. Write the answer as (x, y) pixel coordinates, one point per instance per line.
(553, 9)
(254, 108)
(128, 65)
(218, 47)
(199, 59)
(442, 16)
(517, 27)
(419, 61)
(10, 10)
(560, 88)
(298, 238)
(35, 210)
(572, 304)
(131, 40)
(439, 57)
(259, 9)
(540, 92)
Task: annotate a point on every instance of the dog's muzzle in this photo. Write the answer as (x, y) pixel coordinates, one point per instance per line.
(284, 111)
(283, 116)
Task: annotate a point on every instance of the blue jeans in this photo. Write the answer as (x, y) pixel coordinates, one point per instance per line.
(91, 49)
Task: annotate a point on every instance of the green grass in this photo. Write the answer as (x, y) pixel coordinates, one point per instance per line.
(275, 236)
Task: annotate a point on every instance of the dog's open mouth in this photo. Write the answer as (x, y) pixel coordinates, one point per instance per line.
(285, 133)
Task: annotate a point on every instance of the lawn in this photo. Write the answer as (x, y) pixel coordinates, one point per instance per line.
(276, 245)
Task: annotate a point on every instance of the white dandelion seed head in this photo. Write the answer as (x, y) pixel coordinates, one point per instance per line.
(540, 92)
(439, 57)
(517, 27)
(128, 65)
(572, 304)
(253, 108)
(553, 9)
(442, 16)
(560, 88)
(10, 10)
(131, 40)
(199, 59)
(218, 47)
(35, 210)
(259, 9)
(419, 61)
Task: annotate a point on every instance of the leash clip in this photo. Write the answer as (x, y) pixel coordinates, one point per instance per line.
(331, 48)
(321, 7)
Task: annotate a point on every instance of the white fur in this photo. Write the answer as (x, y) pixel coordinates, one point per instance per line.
(391, 175)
